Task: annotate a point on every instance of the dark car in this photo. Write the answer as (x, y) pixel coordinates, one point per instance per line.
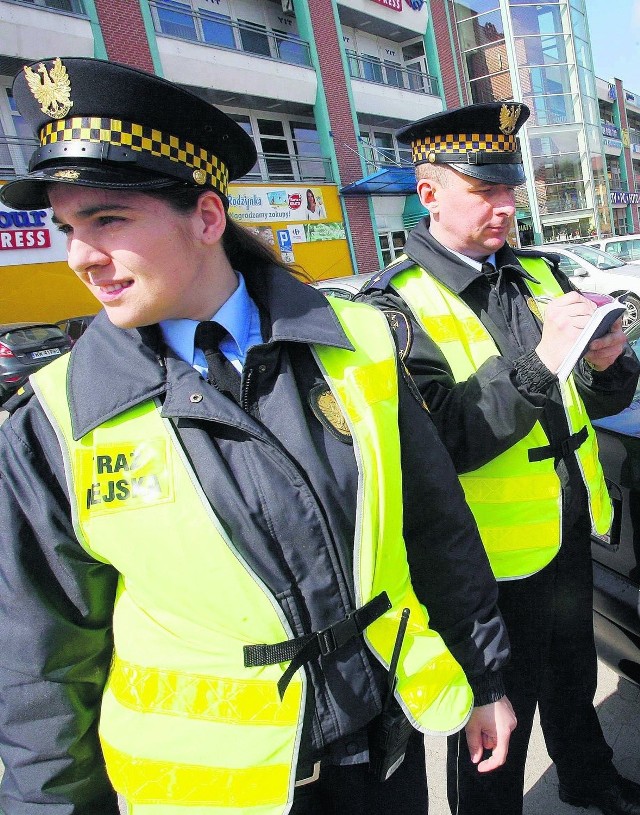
(25, 347)
(616, 557)
(75, 327)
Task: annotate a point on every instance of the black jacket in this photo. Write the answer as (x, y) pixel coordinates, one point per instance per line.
(290, 480)
(496, 407)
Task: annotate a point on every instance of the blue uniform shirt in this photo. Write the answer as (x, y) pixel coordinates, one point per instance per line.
(239, 315)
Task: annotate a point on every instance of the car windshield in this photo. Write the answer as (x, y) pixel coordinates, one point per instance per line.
(31, 335)
(599, 259)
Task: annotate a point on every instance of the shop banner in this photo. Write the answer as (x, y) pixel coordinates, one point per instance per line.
(269, 204)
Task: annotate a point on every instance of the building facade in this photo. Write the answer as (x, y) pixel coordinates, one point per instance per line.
(540, 54)
(320, 86)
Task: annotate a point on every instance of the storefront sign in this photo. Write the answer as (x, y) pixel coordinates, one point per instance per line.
(268, 204)
(395, 5)
(610, 130)
(25, 233)
(613, 145)
(622, 197)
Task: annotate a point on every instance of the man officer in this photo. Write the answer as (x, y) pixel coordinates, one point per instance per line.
(204, 582)
(483, 329)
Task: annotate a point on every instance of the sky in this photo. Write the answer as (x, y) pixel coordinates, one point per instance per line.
(614, 26)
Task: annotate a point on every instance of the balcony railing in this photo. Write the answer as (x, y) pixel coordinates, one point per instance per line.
(206, 27)
(290, 168)
(70, 6)
(382, 73)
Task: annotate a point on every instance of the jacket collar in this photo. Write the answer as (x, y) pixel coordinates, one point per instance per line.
(431, 255)
(112, 369)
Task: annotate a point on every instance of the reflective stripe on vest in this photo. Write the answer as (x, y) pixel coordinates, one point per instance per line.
(516, 503)
(184, 723)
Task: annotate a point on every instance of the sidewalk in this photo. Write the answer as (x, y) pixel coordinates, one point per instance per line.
(618, 703)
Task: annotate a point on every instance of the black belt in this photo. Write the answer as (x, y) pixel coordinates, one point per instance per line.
(301, 650)
(561, 450)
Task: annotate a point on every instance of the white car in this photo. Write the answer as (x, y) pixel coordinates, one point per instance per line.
(624, 247)
(592, 270)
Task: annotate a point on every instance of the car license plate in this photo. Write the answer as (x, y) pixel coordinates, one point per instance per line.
(49, 352)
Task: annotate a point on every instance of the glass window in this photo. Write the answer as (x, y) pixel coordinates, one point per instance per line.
(538, 19)
(495, 88)
(306, 142)
(217, 29)
(568, 265)
(392, 245)
(582, 52)
(550, 110)
(546, 80)
(275, 148)
(291, 49)
(414, 50)
(554, 169)
(541, 50)
(176, 19)
(488, 60)
(245, 124)
(579, 24)
(371, 68)
(474, 7)
(481, 30)
(393, 70)
(554, 144)
(562, 197)
(254, 38)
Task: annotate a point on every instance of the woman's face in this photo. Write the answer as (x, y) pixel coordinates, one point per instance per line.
(143, 260)
(311, 200)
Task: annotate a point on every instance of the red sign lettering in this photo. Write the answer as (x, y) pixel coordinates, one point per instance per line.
(24, 239)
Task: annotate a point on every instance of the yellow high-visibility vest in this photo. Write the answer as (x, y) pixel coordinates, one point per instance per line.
(185, 726)
(516, 502)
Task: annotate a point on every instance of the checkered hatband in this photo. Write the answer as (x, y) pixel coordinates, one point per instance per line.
(461, 143)
(207, 168)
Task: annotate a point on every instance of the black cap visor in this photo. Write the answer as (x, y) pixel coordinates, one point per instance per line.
(30, 191)
(510, 174)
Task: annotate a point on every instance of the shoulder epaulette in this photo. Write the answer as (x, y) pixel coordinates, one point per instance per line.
(381, 279)
(19, 398)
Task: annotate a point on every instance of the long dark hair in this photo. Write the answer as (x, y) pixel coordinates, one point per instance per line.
(244, 250)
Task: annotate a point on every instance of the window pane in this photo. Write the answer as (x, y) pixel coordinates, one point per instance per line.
(394, 73)
(371, 68)
(554, 169)
(554, 144)
(496, 88)
(550, 110)
(489, 60)
(562, 197)
(413, 51)
(254, 38)
(176, 20)
(270, 127)
(291, 50)
(217, 30)
(552, 80)
(536, 19)
(541, 50)
(474, 7)
(481, 30)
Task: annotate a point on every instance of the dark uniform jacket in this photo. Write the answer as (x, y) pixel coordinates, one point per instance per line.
(494, 409)
(287, 496)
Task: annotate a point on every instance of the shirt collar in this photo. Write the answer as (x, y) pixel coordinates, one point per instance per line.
(238, 315)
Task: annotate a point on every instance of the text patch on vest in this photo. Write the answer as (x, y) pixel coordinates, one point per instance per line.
(124, 475)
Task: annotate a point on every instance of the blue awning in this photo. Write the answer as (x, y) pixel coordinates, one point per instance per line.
(387, 181)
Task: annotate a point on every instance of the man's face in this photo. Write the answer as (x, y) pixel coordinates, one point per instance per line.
(142, 259)
(468, 215)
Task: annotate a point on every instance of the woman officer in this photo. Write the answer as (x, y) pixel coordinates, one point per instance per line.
(202, 552)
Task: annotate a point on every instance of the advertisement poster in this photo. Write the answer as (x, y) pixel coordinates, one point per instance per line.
(325, 232)
(269, 204)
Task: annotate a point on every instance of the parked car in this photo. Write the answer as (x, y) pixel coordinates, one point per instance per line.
(345, 287)
(624, 247)
(25, 347)
(616, 557)
(593, 270)
(75, 327)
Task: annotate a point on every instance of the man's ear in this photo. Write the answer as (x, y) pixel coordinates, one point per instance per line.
(427, 189)
(211, 217)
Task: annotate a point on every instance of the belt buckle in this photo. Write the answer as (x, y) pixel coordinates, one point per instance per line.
(315, 775)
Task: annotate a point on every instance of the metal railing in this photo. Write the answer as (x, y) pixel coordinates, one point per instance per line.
(69, 6)
(384, 73)
(209, 28)
(290, 168)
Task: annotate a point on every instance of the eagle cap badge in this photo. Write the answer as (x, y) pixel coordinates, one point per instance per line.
(509, 116)
(51, 89)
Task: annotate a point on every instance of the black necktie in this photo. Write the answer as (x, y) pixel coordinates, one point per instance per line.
(221, 373)
(490, 272)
